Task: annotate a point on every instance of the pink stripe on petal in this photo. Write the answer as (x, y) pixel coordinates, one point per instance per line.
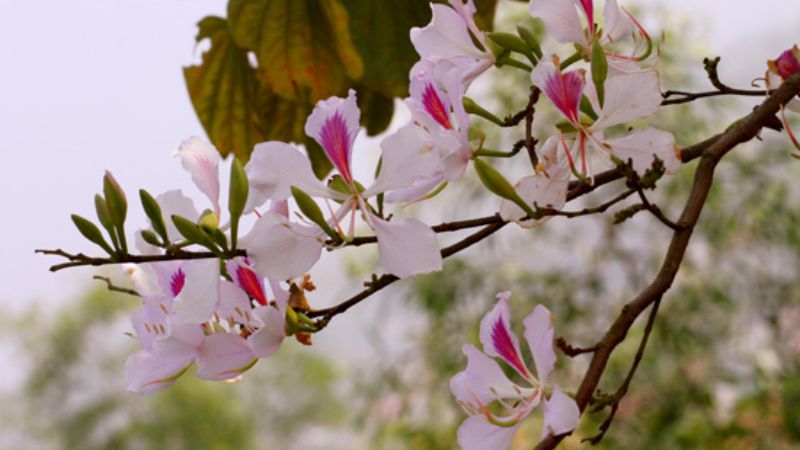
(435, 106)
(588, 8)
(250, 282)
(335, 140)
(177, 281)
(565, 90)
(505, 346)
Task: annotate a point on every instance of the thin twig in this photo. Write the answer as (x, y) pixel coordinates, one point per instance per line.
(112, 287)
(713, 76)
(571, 351)
(656, 211)
(623, 389)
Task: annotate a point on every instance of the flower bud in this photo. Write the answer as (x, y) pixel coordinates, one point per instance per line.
(153, 212)
(105, 219)
(237, 197)
(530, 39)
(498, 185)
(151, 238)
(117, 206)
(194, 233)
(208, 221)
(311, 210)
(91, 232)
(473, 108)
(599, 71)
(512, 43)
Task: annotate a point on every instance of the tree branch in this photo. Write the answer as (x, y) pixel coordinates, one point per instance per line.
(713, 76)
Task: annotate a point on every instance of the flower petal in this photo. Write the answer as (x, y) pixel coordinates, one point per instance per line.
(539, 333)
(446, 36)
(416, 191)
(560, 19)
(280, 249)
(563, 88)
(334, 123)
(223, 356)
(201, 160)
(199, 295)
(547, 188)
(642, 146)
(476, 433)
(250, 282)
(275, 167)
(234, 304)
(618, 25)
(175, 203)
(497, 338)
(406, 157)
(483, 380)
(267, 339)
(629, 97)
(407, 247)
(146, 371)
(561, 413)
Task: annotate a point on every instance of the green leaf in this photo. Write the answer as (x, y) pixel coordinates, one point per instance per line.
(91, 232)
(319, 159)
(298, 44)
(227, 96)
(599, 71)
(153, 212)
(377, 108)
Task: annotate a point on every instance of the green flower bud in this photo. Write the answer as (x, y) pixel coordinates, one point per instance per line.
(599, 71)
(311, 210)
(153, 211)
(498, 185)
(237, 197)
(117, 206)
(91, 232)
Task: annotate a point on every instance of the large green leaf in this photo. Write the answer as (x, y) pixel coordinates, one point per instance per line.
(299, 44)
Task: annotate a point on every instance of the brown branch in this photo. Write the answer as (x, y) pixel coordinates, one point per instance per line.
(656, 211)
(571, 351)
(79, 259)
(744, 130)
(112, 287)
(623, 389)
(713, 76)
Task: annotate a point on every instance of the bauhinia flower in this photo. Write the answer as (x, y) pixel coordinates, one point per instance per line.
(451, 35)
(627, 97)
(483, 383)
(778, 70)
(281, 249)
(547, 188)
(562, 20)
(230, 338)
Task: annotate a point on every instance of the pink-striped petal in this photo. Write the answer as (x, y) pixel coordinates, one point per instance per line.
(334, 123)
(564, 89)
(201, 160)
(497, 338)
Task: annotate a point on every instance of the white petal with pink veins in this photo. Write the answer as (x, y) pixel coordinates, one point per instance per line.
(407, 247)
(476, 433)
(642, 146)
(199, 296)
(446, 36)
(280, 249)
(539, 333)
(234, 304)
(267, 339)
(201, 160)
(560, 18)
(497, 338)
(629, 97)
(561, 413)
(275, 167)
(223, 356)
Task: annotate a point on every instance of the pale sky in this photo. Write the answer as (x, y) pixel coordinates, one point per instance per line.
(93, 85)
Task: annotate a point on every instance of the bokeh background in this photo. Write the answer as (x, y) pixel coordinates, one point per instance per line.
(94, 85)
